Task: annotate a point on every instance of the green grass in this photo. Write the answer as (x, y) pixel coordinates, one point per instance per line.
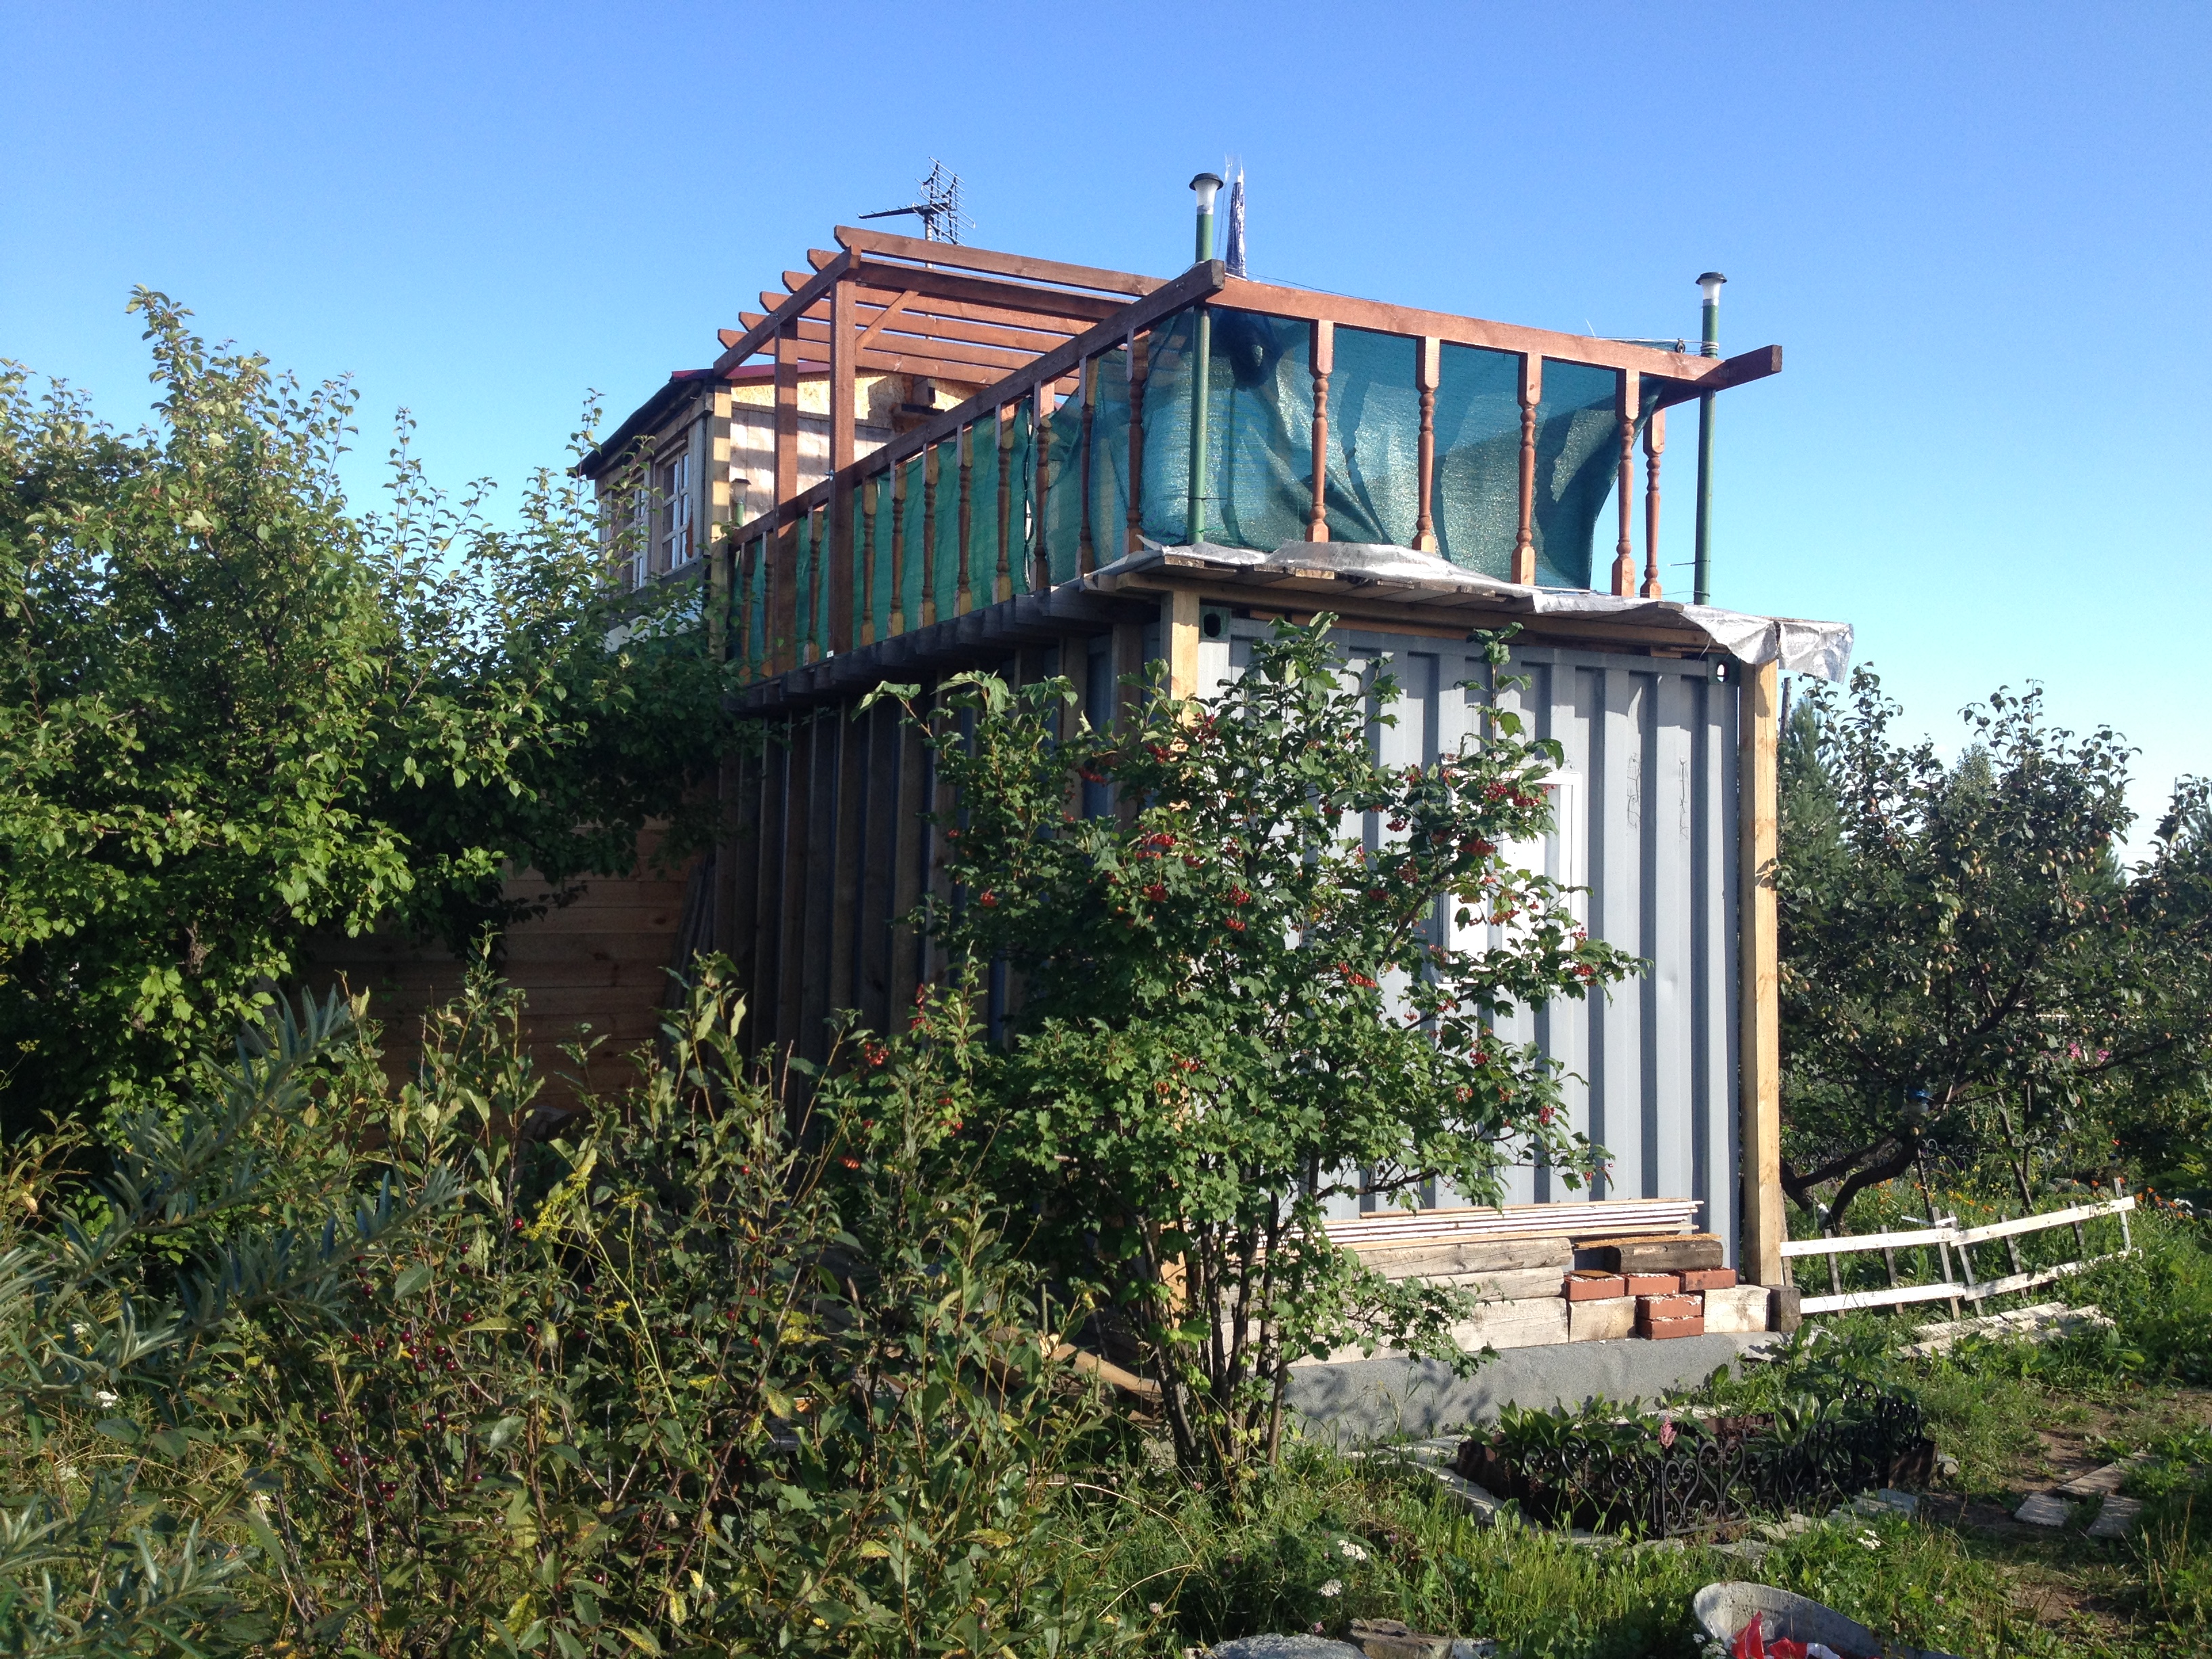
(1193, 1568)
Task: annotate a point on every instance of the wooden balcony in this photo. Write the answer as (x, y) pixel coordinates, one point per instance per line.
(1491, 446)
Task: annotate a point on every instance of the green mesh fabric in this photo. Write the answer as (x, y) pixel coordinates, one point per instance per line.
(1259, 445)
(909, 576)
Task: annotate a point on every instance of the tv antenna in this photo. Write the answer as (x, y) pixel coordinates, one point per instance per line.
(939, 210)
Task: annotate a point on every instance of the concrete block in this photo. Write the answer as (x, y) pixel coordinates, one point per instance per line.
(1520, 1324)
(1783, 1312)
(1602, 1321)
(1655, 1284)
(1438, 1259)
(1709, 1278)
(1583, 1286)
(1736, 1307)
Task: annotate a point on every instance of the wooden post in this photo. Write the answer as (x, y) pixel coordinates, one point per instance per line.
(1086, 559)
(963, 595)
(1002, 587)
(1524, 540)
(1139, 372)
(930, 466)
(1623, 552)
(1179, 621)
(869, 492)
(1041, 432)
(844, 321)
(1428, 357)
(783, 615)
(1323, 353)
(1655, 445)
(1758, 1020)
(898, 548)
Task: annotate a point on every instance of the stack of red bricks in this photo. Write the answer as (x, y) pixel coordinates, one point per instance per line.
(1658, 1287)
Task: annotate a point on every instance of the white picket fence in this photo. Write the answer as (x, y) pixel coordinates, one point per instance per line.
(1947, 1235)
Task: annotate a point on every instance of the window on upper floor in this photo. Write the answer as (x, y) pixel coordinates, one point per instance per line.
(675, 490)
(641, 536)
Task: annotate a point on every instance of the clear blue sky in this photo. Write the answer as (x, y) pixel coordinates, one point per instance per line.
(1979, 231)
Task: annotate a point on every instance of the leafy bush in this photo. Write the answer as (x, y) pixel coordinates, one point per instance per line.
(233, 710)
(672, 1384)
(1235, 1010)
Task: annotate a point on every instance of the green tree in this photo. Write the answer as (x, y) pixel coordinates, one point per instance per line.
(233, 711)
(1233, 1010)
(1965, 964)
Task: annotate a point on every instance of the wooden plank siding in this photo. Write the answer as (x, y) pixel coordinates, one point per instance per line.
(600, 964)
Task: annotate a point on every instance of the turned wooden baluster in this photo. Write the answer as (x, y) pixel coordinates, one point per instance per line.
(963, 598)
(1139, 370)
(1428, 360)
(1524, 539)
(929, 472)
(746, 566)
(1087, 550)
(1323, 353)
(1041, 433)
(1655, 445)
(1623, 552)
(869, 492)
(1002, 588)
(898, 548)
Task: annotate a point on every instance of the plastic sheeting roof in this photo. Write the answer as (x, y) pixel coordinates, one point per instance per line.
(1801, 646)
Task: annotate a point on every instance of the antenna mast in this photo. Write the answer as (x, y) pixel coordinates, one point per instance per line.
(939, 210)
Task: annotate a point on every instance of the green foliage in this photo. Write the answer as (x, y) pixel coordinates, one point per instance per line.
(231, 711)
(1234, 1009)
(1964, 962)
(677, 1384)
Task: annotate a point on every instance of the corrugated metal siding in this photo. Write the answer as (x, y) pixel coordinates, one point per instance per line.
(1647, 804)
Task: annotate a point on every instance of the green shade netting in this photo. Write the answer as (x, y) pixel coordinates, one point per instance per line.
(1259, 445)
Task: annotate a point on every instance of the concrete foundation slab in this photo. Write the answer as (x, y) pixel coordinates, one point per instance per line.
(1379, 1398)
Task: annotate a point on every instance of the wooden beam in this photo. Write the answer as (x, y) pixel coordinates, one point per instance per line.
(979, 356)
(1758, 1017)
(2036, 1224)
(989, 291)
(952, 256)
(754, 339)
(837, 540)
(1671, 366)
(925, 305)
(915, 317)
(1179, 621)
(1730, 371)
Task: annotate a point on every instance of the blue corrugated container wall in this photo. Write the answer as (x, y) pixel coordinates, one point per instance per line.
(1646, 801)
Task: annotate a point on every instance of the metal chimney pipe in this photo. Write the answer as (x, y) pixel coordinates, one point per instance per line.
(1701, 586)
(1207, 184)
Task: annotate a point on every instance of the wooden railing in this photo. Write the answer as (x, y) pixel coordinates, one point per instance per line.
(1946, 1237)
(785, 612)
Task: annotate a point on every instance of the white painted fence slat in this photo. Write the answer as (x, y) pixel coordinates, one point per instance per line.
(1882, 1298)
(1850, 1242)
(2036, 1224)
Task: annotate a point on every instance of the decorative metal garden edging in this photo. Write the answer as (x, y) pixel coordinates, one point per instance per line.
(1670, 1476)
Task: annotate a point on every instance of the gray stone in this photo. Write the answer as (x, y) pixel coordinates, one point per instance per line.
(2102, 1483)
(2045, 1508)
(1888, 1501)
(1285, 1647)
(2116, 1518)
(1749, 1551)
(1474, 1648)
